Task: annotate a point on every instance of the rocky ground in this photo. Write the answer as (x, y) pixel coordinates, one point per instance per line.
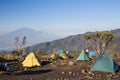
(58, 70)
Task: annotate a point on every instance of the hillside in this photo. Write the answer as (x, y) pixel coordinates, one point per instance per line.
(33, 37)
(75, 44)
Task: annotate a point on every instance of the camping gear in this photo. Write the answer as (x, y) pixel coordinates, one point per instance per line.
(104, 63)
(63, 56)
(60, 51)
(31, 60)
(92, 53)
(83, 56)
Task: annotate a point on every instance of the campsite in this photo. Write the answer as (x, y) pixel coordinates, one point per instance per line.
(59, 39)
(63, 60)
(78, 67)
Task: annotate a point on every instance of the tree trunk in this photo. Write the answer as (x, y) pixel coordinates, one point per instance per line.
(103, 46)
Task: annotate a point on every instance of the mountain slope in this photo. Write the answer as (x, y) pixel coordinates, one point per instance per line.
(72, 43)
(33, 37)
(75, 44)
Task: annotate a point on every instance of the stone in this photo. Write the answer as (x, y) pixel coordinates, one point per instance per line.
(77, 73)
(71, 63)
(83, 71)
(93, 74)
(63, 72)
(89, 72)
(70, 72)
(73, 74)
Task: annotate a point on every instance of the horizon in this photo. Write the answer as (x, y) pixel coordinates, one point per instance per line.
(52, 33)
(60, 17)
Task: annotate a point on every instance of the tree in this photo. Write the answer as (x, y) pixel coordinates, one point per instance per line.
(20, 46)
(99, 40)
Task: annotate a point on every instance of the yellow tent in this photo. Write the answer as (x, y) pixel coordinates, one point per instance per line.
(31, 60)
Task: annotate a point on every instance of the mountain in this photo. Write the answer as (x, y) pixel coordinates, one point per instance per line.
(116, 32)
(75, 44)
(33, 37)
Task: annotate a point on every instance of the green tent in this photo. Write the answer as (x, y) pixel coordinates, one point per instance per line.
(83, 56)
(104, 63)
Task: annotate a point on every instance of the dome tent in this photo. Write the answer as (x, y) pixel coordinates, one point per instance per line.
(92, 53)
(61, 53)
(31, 60)
(104, 63)
(83, 56)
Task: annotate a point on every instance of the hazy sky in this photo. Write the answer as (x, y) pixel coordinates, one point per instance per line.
(61, 17)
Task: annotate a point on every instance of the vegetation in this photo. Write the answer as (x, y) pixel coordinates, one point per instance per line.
(99, 40)
(8, 56)
(20, 46)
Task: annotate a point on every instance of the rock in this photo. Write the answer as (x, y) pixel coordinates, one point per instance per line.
(62, 63)
(25, 69)
(107, 76)
(110, 75)
(89, 72)
(73, 74)
(99, 75)
(88, 77)
(71, 63)
(93, 74)
(113, 73)
(83, 71)
(70, 72)
(31, 78)
(77, 73)
(116, 76)
(61, 78)
(51, 63)
(63, 72)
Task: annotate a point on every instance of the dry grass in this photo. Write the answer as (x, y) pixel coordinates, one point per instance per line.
(9, 56)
